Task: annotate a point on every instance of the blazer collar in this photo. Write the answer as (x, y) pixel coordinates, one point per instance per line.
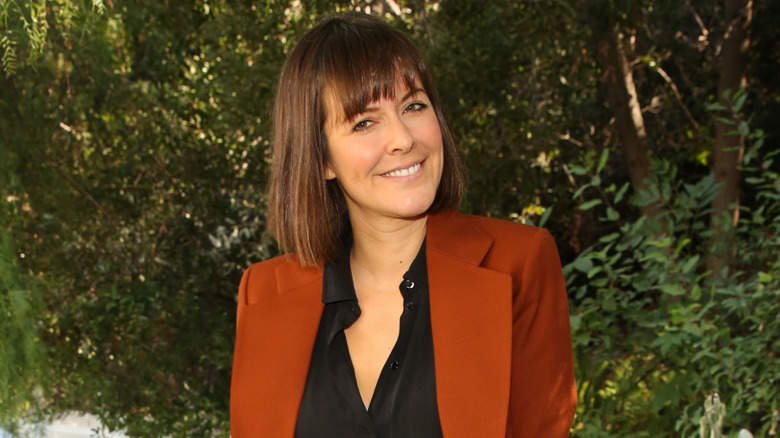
(291, 275)
(454, 234)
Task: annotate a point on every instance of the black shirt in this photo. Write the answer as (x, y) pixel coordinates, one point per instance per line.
(404, 401)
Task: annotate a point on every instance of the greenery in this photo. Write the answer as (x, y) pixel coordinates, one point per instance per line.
(655, 333)
(134, 147)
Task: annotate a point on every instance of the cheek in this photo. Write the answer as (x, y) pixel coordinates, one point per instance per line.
(431, 132)
(352, 162)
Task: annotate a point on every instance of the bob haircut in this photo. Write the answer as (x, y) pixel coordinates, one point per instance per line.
(358, 59)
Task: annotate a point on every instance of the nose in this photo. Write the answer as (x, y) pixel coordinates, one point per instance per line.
(400, 138)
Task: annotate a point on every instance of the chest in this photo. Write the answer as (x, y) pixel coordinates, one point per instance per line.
(372, 337)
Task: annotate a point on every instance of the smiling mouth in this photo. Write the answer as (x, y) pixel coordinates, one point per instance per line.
(405, 172)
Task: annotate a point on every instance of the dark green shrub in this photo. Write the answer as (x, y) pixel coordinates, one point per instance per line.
(654, 332)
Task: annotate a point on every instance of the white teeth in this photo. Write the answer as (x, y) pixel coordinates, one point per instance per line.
(404, 172)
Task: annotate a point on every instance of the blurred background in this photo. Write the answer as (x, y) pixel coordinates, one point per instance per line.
(134, 151)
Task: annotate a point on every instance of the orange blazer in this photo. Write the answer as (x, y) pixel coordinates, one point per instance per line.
(500, 322)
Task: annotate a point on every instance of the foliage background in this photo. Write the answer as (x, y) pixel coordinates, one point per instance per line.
(134, 144)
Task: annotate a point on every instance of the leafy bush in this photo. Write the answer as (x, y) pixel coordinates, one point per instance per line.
(22, 355)
(654, 332)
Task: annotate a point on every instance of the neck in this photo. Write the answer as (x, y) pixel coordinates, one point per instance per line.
(386, 249)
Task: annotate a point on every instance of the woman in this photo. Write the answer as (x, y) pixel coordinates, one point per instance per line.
(392, 314)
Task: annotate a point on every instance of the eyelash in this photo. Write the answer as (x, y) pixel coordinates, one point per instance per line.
(366, 124)
(361, 125)
(418, 106)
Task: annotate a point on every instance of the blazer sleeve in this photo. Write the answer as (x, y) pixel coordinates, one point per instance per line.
(543, 396)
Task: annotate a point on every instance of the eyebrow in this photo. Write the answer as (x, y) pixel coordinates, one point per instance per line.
(411, 93)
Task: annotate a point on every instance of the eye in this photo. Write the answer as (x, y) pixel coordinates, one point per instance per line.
(415, 107)
(362, 125)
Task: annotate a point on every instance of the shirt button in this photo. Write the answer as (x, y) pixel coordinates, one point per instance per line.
(410, 305)
(394, 366)
(353, 308)
(409, 284)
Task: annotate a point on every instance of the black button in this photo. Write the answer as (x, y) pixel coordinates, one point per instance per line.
(353, 308)
(408, 284)
(394, 366)
(410, 305)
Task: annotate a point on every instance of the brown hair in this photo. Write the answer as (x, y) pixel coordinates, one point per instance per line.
(358, 58)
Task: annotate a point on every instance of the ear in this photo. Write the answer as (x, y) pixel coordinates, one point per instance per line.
(329, 173)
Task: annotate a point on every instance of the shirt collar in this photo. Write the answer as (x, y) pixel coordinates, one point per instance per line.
(337, 275)
(418, 271)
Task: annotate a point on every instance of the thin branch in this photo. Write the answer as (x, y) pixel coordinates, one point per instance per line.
(572, 180)
(678, 96)
(704, 31)
(73, 184)
(571, 140)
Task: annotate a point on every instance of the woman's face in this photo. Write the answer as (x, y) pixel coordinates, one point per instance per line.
(388, 159)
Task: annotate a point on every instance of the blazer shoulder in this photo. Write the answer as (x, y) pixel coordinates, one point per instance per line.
(516, 245)
(482, 240)
(507, 232)
(273, 276)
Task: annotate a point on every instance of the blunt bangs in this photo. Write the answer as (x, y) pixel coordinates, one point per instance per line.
(360, 65)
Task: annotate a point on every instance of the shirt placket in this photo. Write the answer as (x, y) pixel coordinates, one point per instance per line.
(341, 371)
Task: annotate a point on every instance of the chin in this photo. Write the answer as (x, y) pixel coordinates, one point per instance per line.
(415, 210)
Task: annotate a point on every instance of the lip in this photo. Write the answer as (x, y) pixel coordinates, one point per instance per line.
(402, 168)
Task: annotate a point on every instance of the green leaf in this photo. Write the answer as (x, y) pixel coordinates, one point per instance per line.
(583, 264)
(743, 128)
(575, 321)
(602, 161)
(545, 216)
(665, 394)
(690, 264)
(737, 107)
(579, 191)
(594, 271)
(608, 303)
(680, 246)
(609, 237)
(590, 204)
(674, 289)
(621, 192)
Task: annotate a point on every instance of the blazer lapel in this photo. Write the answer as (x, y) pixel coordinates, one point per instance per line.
(471, 318)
